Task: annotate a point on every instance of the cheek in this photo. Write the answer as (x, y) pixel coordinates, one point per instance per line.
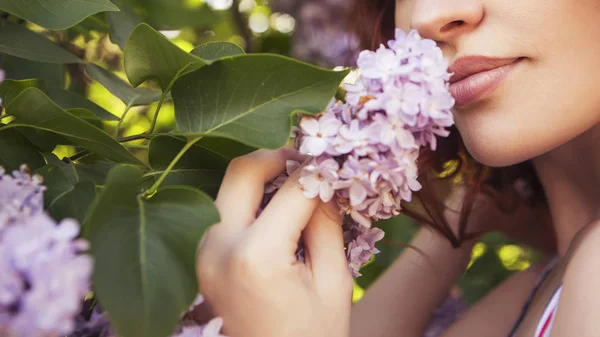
(537, 109)
(404, 9)
(552, 98)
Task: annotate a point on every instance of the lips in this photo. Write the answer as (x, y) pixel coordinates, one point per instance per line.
(475, 76)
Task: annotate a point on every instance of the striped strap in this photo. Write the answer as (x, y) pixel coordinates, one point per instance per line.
(545, 325)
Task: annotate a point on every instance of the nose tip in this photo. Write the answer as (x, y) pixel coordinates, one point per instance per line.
(443, 20)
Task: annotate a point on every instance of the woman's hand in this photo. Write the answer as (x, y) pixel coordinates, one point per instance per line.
(247, 267)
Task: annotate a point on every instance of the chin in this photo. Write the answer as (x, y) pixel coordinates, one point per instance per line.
(498, 151)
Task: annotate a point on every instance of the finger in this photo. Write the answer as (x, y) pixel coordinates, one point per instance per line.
(287, 213)
(242, 189)
(324, 248)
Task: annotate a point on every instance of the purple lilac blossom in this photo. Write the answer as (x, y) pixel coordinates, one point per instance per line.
(399, 103)
(20, 195)
(445, 314)
(361, 246)
(43, 275)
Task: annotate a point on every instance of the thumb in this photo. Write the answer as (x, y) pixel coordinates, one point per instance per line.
(324, 247)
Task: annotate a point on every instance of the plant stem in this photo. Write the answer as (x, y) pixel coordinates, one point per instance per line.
(241, 24)
(155, 117)
(135, 137)
(127, 108)
(79, 155)
(135, 146)
(162, 177)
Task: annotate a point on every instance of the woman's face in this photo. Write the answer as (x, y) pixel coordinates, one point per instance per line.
(549, 94)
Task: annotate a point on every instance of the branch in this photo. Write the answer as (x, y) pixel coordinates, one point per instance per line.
(241, 24)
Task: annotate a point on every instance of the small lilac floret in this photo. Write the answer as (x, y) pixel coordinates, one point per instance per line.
(317, 178)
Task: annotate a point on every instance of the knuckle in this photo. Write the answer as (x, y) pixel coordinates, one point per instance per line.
(247, 261)
(238, 163)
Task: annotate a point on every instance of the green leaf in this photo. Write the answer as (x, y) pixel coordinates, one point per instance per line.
(121, 24)
(74, 203)
(96, 172)
(9, 89)
(87, 116)
(213, 51)
(151, 56)
(53, 74)
(16, 149)
(19, 41)
(69, 100)
(45, 141)
(250, 98)
(67, 167)
(56, 14)
(151, 255)
(33, 108)
(67, 195)
(56, 181)
(122, 89)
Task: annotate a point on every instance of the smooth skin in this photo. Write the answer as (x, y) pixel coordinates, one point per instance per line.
(547, 110)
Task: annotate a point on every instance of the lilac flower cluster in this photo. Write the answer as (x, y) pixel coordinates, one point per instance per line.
(43, 276)
(365, 150)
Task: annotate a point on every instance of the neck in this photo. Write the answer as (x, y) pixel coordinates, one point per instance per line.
(570, 175)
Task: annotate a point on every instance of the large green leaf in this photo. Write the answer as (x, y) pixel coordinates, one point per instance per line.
(149, 55)
(19, 41)
(213, 51)
(122, 89)
(150, 255)
(56, 14)
(202, 166)
(53, 74)
(16, 149)
(32, 108)
(250, 98)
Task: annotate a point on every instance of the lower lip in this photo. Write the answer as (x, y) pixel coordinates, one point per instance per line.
(470, 89)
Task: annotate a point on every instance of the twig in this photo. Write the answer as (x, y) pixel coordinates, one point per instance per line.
(163, 176)
(241, 24)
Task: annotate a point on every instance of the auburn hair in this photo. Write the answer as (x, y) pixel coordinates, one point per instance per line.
(373, 22)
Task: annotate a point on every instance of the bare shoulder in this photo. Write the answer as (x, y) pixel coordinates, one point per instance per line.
(578, 305)
(586, 245)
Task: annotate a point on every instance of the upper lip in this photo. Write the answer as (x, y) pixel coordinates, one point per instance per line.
(466, 66)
